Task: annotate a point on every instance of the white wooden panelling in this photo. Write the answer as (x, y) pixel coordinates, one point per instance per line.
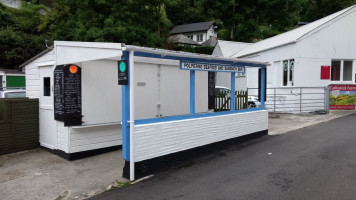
(91, 141)
(95, 146)
(63, 134)
(95, 132)
(154, 140)
(32, 88)
(48, 131)
(32, 94)
(90, 138)
(32, 77)
(33, 83)
(31, 71)
(62, 137)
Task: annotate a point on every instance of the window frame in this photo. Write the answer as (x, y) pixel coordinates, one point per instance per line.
(342, 70)
(288, 73)
(46, 86)
(200, 37)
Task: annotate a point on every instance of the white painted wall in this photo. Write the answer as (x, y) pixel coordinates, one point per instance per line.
(154, 140)
(334, 41)
(146, 100)
(161, 88)
(211, 33)
(101, 94)
(175, 91)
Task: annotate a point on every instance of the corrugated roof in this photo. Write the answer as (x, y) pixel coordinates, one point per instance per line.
(290, 36)
(229, 48)
(195, 27)
(182, 39)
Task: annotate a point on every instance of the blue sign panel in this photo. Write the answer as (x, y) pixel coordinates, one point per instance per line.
(201, 66)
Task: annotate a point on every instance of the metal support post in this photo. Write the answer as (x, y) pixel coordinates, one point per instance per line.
(232, 92)
(300, 103)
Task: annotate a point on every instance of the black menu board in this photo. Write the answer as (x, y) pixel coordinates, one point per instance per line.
(68, 94)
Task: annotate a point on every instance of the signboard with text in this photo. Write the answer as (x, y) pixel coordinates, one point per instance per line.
(123, 72)
(342, 97)
(68, 94)
(211, 67)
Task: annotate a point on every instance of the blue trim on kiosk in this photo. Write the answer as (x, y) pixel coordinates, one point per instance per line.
(263, 86)
(232, 95)
(195, 116)
(125, 95)
(192, 92)
(192, 115)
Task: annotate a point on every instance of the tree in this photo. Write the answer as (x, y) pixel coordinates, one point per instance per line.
(20, 36)
(133, 22)
(316, 9)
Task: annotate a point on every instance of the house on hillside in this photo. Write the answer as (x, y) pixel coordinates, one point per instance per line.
(198, 32)
(227, 49)
(17, 3)
(11, 3)
(317, 54)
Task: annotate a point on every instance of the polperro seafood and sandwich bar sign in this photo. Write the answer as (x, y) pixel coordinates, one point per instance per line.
(342, 97)
(211, 67)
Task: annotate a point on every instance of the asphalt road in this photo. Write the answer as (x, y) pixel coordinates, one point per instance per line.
(316, 162)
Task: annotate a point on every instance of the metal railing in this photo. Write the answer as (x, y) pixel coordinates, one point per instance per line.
(295, 99)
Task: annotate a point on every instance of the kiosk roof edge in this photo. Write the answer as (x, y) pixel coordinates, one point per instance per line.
(164, 52)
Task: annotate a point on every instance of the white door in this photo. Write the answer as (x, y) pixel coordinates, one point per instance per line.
(48, 129)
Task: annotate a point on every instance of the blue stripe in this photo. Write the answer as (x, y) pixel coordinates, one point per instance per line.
(192, 92)
(125, 97)
(195, 116)
(262, 87)
(232, 95)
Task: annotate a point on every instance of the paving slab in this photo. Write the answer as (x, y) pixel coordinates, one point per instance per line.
(282, 123)
(38, 174)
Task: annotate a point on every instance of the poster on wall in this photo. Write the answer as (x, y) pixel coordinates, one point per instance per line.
(342, 97)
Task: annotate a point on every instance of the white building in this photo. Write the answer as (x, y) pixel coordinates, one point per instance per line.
(317, 54)
(198, 32)
(227, 49)
(163, 111)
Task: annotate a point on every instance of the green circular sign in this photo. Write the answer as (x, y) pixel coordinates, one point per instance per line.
(122, 66)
